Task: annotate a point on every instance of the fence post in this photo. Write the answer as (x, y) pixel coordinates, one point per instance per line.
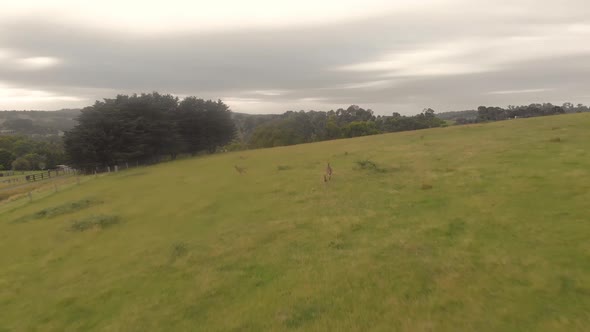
(109, 169)
(30, 197)
(116, 168)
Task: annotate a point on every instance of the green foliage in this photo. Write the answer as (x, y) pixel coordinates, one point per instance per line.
(6, 159)
(38, 153)
(36, 160)
(359, 128)
(235, 146)
(305, 127)
(203, 125)
(497, 113)
(485, 114)
(21, 164)
(145, 127)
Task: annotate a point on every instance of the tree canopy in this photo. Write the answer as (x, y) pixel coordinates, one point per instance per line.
(304, 127)
(145, 127)
(24, 153)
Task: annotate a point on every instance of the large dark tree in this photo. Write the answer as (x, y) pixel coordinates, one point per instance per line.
(204, 125)
(6, 159)
(146, 127)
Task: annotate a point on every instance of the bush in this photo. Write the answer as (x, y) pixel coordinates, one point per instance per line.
(100, 221)
(235, 146)
(6, 159)
(370, 166)
(179, 249)
(21, 164)
(366, 164)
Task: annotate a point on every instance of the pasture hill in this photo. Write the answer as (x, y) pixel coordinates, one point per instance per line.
(467, 228)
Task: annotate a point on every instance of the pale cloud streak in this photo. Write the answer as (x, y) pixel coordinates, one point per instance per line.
(510, 92)
(36, 63)
(39, 98)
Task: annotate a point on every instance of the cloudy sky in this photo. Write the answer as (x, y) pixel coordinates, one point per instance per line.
(269, 56)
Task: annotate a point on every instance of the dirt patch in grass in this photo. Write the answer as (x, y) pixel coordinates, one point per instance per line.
(426, 186)
(302, 315)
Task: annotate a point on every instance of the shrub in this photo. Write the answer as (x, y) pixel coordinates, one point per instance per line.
(21, 164)
(370, 166)
(100, 221)
(426, 186)
(366, 164)
(179, 249)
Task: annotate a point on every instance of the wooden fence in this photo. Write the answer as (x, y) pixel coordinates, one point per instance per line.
(39, 176)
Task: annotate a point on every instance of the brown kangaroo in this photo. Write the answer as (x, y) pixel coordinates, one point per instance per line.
(328, 175)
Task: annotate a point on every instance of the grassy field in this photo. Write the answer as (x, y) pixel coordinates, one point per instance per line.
(468, 228)
(11, 191)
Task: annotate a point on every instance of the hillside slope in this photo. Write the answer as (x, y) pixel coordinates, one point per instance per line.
(45, 123)
(472, 228)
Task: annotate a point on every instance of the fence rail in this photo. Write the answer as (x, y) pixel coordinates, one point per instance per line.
(39, 176)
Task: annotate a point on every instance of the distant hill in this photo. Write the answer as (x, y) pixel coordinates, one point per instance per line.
(468, 115)
(246, 123)
(33, 123)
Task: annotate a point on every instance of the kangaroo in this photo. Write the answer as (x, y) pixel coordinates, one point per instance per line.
(240, 170)
(328, 175)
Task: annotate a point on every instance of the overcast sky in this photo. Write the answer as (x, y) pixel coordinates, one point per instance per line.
(270, 56)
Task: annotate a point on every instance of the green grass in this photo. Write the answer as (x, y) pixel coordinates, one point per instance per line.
(470, 228)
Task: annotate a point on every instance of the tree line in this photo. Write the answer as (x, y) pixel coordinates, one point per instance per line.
(313, 126)
(486, 114)
(148, 127)
(144, 128)
(24, 153)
